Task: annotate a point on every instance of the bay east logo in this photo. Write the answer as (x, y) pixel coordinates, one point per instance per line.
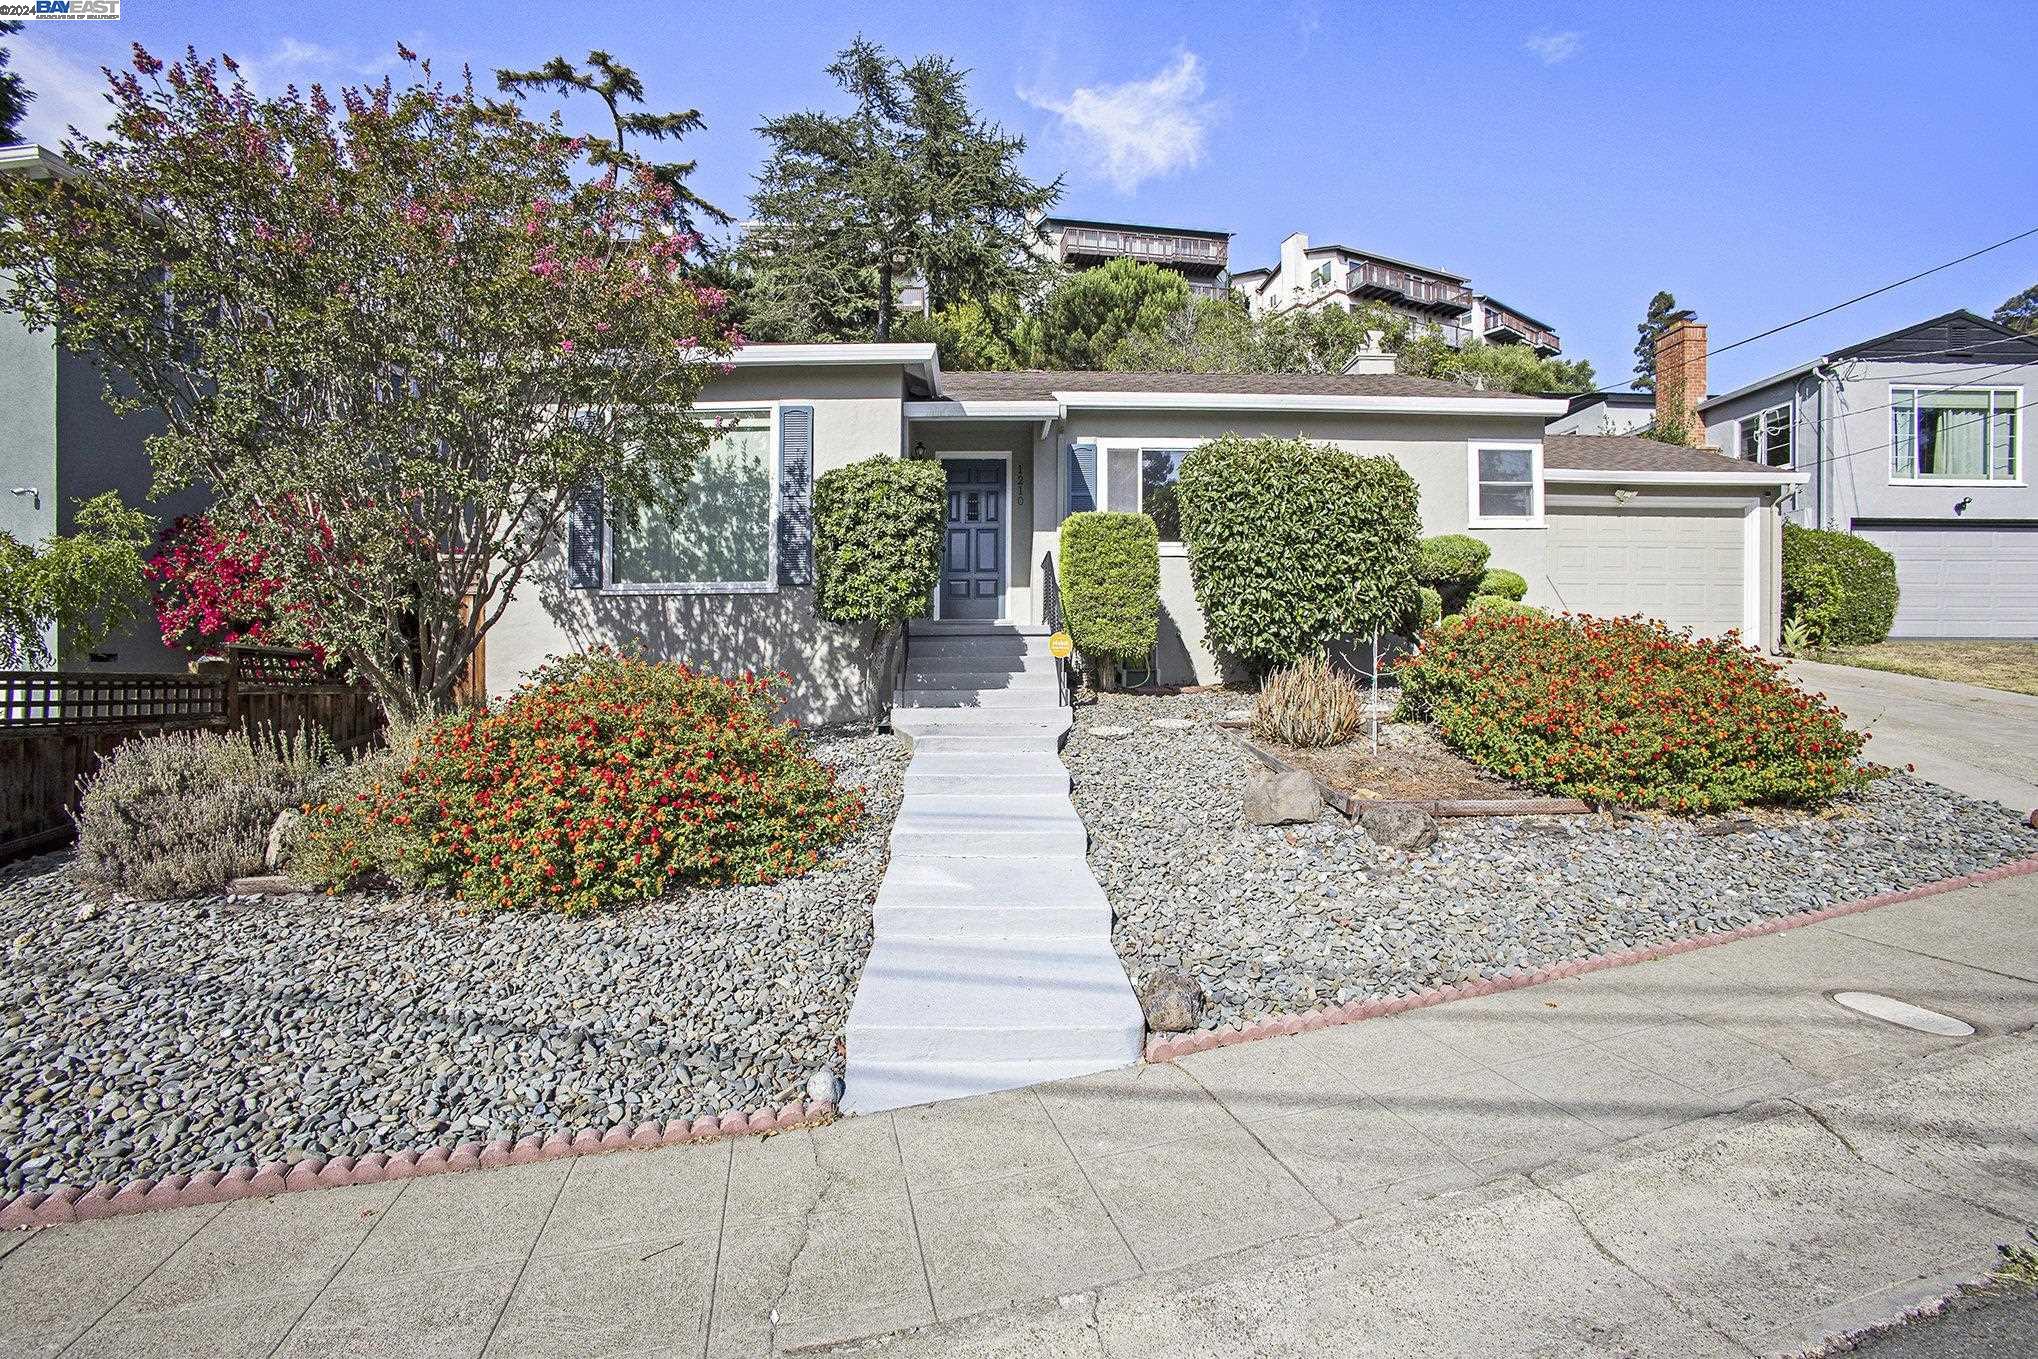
(62, 9)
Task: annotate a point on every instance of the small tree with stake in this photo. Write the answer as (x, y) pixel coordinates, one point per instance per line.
(396, 336)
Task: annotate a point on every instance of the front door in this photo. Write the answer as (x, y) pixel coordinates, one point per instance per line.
(973, 565)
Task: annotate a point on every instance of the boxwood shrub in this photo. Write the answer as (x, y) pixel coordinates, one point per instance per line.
(1111, 585)
(1862, 611)
(877, 540)
(1625, 711)
(1296, 545)
(1501, 583)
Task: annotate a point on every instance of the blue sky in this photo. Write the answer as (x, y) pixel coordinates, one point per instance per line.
(1760, 160)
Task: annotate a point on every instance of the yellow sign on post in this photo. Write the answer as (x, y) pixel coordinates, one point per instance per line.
(1061, 645)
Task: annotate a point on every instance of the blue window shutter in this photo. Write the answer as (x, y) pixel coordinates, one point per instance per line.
(583, 541)
(1082, 478)
(796, 495)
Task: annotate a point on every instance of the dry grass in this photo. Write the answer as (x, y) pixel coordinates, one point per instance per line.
(1995, 665)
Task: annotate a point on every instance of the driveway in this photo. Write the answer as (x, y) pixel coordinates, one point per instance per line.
(1981, 742)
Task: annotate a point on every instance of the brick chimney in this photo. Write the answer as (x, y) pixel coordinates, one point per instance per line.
(1680, 379)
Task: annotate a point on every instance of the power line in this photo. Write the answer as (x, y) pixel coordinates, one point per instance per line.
(1875, 292)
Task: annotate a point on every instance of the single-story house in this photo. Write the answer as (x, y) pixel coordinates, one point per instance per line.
(1915, 441)
(1597, 524)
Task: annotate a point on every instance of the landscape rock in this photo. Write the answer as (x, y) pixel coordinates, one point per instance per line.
(824, 1086)
(1173, 1002)
(1111, 733)
(1408, 828)
(282, 839)
(1284, 799)
(272, 885)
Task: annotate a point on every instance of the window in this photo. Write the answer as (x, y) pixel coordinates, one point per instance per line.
(1160, 470)
(720, 537)
(1319, 277)
(1963, 434)
(1765, 437)
(1507, 485)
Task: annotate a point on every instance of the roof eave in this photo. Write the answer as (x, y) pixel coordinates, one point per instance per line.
(1678, 477)
(923, 359)
(1295, 401)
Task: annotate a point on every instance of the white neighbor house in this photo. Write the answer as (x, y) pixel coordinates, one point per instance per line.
(1597, 524)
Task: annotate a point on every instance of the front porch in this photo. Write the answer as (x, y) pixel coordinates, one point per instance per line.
(1005, 513)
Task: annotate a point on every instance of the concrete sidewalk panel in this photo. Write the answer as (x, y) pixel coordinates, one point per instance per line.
(1203, 1198)
(1015, 1238)
(968, 1141)
(59, 1281)
(291, 1244)
(457, 1222)
(843, 1270)
(424, 1317)
(638, 1196)
(1135, 1107)
(644, 1297)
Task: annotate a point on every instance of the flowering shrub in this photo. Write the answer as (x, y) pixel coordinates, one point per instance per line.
(212, 590)
(1623, 710)
(602, 781)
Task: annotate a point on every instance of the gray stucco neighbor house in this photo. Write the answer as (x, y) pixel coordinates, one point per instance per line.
(1915, 441)
(1597, 524)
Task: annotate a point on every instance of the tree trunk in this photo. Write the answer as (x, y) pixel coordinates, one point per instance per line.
(884, 301)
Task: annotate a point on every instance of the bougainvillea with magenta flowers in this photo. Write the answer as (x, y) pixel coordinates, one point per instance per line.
(1626, 711)
(212, 591)
(604, 781)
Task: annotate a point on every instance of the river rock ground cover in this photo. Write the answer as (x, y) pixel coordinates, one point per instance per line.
(1276, 920)
(150, 1038)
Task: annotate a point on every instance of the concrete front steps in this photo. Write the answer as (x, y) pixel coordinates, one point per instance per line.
(992, 966)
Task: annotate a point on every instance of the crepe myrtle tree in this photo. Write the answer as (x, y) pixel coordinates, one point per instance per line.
(395, 336)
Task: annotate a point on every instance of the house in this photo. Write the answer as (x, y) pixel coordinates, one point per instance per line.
(1615, 411)
(61, 443)
(1915, 441)
(1199, 256)
(1597, 524)
(1308, 277)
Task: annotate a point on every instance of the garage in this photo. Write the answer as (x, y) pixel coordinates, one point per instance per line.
(1686, 566)
(1962, 580)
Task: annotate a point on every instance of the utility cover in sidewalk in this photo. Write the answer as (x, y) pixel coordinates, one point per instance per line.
(1901, 1012)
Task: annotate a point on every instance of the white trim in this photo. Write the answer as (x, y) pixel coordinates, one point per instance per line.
(769, 585)
(1787, 375)
(1752, 480)
(949, 408)
(1011, 504)
(1760, 417)
(2016, 395)
(1751, 575)
(1104, 448)
(1276, 401)
(922, 358)
(1534, 448)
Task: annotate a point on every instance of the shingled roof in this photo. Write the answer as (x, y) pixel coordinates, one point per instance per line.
(1042, 384)
(1632, 453)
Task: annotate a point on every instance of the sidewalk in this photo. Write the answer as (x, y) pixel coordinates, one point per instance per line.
(1281, 1197)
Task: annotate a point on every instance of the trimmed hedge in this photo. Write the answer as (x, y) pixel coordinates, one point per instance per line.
(1501, 604)
(1295, 545)
(1501, 583)
(877, 540)
(1864, 607)
(1452, 561)
(1623, 710)
(1111, 585)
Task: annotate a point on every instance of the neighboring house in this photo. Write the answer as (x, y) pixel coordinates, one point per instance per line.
(1596, 524)
(61, 443)
(1608, 412)
(1308, 277)
(1199, 256)
(1915, 441)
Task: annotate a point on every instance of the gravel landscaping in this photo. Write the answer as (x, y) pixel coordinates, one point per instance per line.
(144, 1038)
(1277, 920)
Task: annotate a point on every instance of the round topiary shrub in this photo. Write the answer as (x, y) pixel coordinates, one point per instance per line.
(1451, 561)
(1626, 711)
(877, 540)
(1111, 585)
(1863, 608)
(1295, 545)
(1501, 583)
(602, 781)
(1501, 604)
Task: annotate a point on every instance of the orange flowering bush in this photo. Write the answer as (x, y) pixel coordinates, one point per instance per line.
(1624, 710)
(603, 781)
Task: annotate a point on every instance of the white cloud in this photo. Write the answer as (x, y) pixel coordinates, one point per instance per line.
(68, 92)
(1555, 47)
(1140, 129)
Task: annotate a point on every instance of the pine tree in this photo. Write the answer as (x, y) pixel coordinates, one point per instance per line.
(14, 92)
(1663, 314)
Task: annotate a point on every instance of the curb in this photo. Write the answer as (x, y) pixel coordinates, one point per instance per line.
(67, 1203)
(1168, 1048)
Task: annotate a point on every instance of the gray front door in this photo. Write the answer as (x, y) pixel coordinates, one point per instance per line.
(973, 566)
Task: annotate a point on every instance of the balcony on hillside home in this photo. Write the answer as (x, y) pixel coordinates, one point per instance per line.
(1199, 255)
(1501, 325)
(1408, 288)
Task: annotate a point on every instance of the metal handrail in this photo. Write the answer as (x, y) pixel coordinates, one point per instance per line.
(1051, 614)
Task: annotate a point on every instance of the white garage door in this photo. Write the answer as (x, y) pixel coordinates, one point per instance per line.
(1965, 581)
(1686, 567)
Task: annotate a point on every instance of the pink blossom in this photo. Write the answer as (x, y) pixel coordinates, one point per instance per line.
(566, 346)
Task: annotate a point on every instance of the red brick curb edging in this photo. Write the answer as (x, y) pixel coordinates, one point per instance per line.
(1165, 1048)
(67, 1203)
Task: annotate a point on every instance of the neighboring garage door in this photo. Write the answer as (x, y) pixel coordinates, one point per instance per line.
(1967, 581)
(1686, 567)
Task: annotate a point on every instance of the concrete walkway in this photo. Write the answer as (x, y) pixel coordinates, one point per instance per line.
(1981, 742)
(992, 966)
(1698, 1156)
